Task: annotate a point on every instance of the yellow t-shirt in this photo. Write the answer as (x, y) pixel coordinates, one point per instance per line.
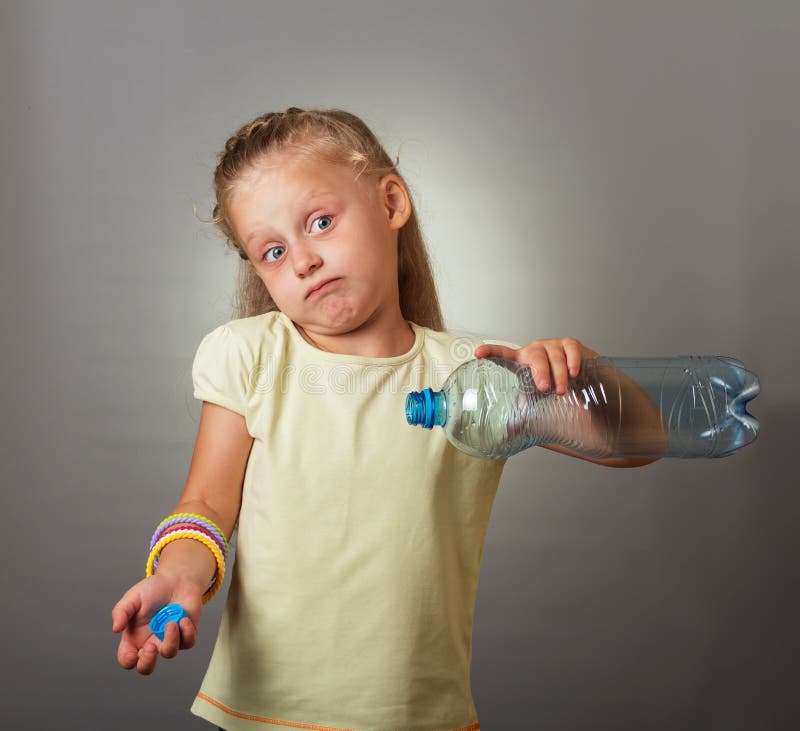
(359, 538)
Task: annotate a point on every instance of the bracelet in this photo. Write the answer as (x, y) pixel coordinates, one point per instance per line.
(197, 536)
(197, 527)
(170, 526)
(173, 526)
(193, 518)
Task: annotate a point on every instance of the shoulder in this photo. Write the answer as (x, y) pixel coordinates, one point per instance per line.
(251, 336)
(229, 363)
(255, 327)
(241, 345)
(460, 344)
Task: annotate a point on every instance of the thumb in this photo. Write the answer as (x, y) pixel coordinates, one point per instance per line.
(492, 350)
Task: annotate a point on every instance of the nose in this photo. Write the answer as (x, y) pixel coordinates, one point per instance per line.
(305, 259)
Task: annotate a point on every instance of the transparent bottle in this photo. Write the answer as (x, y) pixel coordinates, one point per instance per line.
(685, 406)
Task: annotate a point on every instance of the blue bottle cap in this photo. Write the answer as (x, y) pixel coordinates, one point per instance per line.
(170, 613)
(421, 408)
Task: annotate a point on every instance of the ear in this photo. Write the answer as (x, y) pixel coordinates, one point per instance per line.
(395, 200)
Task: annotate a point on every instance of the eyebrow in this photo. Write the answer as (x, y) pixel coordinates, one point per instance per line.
(304, 201)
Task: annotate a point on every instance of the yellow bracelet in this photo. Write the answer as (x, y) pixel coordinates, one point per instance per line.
(197, 536)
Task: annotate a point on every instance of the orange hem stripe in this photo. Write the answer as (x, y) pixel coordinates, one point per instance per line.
(293, 724)
(264, 719)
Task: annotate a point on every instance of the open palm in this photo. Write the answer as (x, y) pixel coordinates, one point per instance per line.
(138, 646)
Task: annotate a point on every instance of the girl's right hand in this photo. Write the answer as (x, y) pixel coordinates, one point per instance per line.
(131, 615)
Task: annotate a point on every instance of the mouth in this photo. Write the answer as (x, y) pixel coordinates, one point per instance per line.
(321, 286)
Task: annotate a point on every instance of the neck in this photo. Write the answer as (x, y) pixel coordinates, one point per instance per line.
(373, 339)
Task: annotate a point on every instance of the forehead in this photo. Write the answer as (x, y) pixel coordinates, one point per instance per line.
(286, 175)
(280, 184)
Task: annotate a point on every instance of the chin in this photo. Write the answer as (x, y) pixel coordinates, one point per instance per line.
(337, 318)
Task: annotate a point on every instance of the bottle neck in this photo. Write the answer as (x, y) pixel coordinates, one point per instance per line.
(426, 408)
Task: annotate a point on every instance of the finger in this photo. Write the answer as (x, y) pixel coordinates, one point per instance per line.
(537, 359)
(147, 659)
(574, 356)
(188, 633)
(172, 638)
(496, 351)
(128, 650)
(558, 366)
(127, 654)
(125, 610)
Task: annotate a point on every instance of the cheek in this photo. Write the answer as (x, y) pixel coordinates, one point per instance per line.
(270, 283)
(386, 256)
(382, 247)
(377, 264)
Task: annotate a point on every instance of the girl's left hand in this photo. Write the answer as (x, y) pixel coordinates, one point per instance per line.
(560, 356)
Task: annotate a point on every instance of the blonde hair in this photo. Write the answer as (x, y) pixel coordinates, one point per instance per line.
(338, 137)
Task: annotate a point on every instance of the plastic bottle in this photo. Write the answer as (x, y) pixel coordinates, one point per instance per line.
(686, 406)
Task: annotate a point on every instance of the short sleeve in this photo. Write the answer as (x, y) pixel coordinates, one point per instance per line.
(220, 371)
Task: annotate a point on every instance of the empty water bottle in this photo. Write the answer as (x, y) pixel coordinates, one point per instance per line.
(686, 406)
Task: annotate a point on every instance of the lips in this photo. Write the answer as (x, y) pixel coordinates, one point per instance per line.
(319, 286)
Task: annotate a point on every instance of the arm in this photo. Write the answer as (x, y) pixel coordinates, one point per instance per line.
(609, 462)
(640, 416)
(214, 489)
(563, 357)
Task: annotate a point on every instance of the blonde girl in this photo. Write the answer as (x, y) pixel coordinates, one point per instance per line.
(358, 538)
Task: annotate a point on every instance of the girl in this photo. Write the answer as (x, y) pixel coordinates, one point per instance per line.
(359, 539)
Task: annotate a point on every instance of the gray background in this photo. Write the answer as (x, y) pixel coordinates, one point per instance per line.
(626, 173)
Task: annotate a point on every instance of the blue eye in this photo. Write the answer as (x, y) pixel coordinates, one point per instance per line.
(325, 227)
(268, 251)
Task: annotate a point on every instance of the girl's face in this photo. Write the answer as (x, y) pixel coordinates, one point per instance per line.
(304, 222)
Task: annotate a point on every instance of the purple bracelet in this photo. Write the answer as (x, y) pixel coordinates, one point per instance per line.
(214, 533)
